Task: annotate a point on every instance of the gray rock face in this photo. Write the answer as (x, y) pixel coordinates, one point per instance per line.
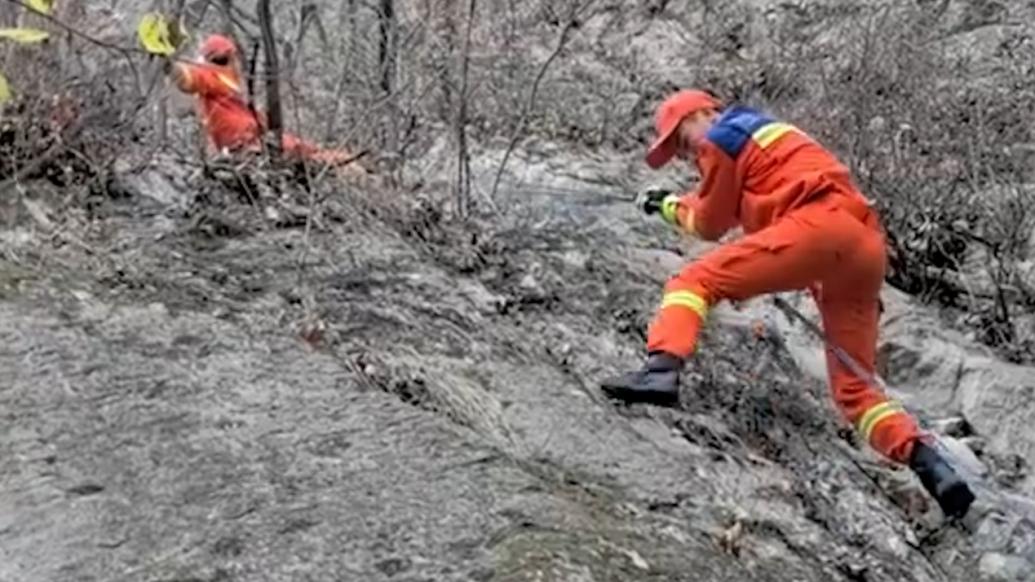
(216, 392)
(944, 370)
(999, 568)
(411, 405)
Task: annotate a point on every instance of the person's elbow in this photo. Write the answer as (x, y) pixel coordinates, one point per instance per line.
(709, 236)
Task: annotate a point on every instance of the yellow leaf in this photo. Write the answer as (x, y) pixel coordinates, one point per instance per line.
(178, 34)
(5, 90)
(24, 35)
(41, 6)
(158, 36)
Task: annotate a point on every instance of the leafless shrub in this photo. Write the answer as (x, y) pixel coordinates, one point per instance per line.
(68, 120)
(933, 135)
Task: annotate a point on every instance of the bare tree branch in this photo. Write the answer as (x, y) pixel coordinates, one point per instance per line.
(275, 129)
(562, 40)
(463, 169)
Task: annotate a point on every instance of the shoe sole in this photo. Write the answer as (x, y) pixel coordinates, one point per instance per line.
(640, 397)
(956, 500)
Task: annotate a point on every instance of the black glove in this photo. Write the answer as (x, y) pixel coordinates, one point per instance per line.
(659, 200)
(649, 200)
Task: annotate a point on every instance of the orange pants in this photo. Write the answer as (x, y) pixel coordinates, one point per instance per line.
(299, 148)
(833, 246)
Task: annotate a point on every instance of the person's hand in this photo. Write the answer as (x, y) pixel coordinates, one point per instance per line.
(649, 200)
(658, 200)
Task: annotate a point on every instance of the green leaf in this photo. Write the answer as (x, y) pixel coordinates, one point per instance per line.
(5, 90)
(158, 36)
(42, 6)
(24, 35)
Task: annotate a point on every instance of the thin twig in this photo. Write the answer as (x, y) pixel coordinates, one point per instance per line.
(127, 51)
(44, 158)
(463, 168)
(78, 33)
(274, 112)
(562, 40)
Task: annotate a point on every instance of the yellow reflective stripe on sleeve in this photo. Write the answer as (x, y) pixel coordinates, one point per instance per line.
(766, 135)
(229, 82)
(875, 415)
(686, 299)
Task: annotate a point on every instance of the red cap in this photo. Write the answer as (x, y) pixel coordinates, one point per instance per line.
(218, 45)
(670, 113)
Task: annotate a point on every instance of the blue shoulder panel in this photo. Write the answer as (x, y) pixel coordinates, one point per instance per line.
(734, 128)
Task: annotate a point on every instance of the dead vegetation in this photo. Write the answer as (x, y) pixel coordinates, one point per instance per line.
(928, 103)
(937, 137)
(411, 278)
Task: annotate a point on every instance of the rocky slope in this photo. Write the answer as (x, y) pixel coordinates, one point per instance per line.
(197, 392)
(211, 378)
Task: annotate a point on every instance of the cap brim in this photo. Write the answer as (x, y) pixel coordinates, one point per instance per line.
(662, 150)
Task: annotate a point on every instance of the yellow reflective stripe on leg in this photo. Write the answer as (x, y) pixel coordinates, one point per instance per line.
(687, 299)
(766, 135)
(875, 415)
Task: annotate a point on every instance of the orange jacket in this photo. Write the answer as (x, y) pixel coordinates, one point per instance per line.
(755, 169)
(225, 114)
(228, 120)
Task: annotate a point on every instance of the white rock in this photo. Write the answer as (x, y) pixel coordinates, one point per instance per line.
(996, 567)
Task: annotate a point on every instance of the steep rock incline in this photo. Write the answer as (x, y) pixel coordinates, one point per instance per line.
(198, 393)
(942, 368)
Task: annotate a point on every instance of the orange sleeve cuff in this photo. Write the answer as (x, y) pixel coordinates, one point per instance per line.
(184, 78)
(685, 213)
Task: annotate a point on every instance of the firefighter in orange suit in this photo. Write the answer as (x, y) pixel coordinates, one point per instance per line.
(806, 227)
(228, 120)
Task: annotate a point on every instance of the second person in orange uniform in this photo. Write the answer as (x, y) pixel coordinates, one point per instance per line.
(806, 226)
(226, 116)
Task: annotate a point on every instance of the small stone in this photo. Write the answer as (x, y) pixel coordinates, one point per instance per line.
(576, 260)
(996, 567)
(529, 282)
(637, 560)
(899, 547)
(158, 308)
(955, 426)
(974, 443)
(854, 571)
(877, 124)
(729, 539)
(963, 458)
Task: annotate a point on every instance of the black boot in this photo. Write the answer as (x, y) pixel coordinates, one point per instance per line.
(656, 383)
(941, 480)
